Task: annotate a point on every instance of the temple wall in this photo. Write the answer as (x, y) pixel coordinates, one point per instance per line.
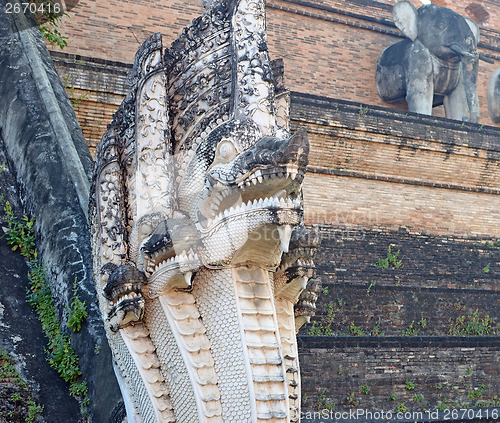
(330, 48)
(390, 169)
(44, 149)
(441, 369)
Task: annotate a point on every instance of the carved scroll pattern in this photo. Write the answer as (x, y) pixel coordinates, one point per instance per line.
(199, 68)
(109, 202)
(283, 110)
(154, 179)
(255, 87)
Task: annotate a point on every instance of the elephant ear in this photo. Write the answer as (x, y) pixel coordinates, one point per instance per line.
(473, 27)
(405, 18)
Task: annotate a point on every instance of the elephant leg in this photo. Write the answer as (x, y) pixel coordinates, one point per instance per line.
(419, 80)
(455, 103)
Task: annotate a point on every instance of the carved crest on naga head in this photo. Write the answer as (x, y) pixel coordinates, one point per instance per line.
(202, 264)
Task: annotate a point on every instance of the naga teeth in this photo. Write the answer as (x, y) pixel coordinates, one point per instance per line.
(281, 194)
(285, 233)
(188, 277)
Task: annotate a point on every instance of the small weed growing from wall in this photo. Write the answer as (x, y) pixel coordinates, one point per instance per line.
(401, 408)
(418, 397)
(74, 99)
(325, 326)
(352, 400)
(391, 261)
(410, 386)
(412, 330)
(49, 19)
(356, 330)
(363, 111)
(369, 289)
(364, 389)
(20, 234)
(77, 311)
(62, 357)
(376, 331)
(323, 403)
(473, 324)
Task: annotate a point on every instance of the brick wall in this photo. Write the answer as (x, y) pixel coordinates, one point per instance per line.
(440, 279)
(96, 87)
(378, 167)
(329, 47)
(373, 167)
(441, 369)
(411, 309)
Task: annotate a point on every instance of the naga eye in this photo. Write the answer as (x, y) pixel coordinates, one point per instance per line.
(146, 229)
(226, 150)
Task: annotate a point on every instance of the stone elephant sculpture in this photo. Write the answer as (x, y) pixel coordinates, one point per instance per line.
(439, 57)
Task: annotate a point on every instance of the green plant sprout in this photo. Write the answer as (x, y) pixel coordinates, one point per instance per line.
(391, 261)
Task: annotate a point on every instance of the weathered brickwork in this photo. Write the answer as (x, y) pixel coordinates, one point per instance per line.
(387, 169)
(357, 202)
(379, 168)
(442, 371)
(440, 278)
(96, 87)
(329, 47)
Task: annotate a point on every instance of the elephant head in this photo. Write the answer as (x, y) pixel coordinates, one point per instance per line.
(439, 57)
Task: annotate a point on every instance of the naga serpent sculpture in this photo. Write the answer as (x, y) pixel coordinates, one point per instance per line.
(203, 267)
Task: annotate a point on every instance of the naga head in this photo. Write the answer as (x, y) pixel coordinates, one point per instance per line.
(124, 294)
(197, 218)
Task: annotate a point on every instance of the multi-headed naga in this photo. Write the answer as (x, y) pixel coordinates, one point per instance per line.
(202, 265)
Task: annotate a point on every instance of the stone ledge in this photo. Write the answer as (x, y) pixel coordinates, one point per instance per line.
(308, 342)
(336, 113)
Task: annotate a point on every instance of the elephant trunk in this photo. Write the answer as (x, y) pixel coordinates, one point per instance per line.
(470, 73)
(461, 51)
(464, 53)
(485, 59)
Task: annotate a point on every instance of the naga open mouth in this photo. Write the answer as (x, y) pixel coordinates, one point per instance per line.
(268, 175)
(275, 188)
(123, 292)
